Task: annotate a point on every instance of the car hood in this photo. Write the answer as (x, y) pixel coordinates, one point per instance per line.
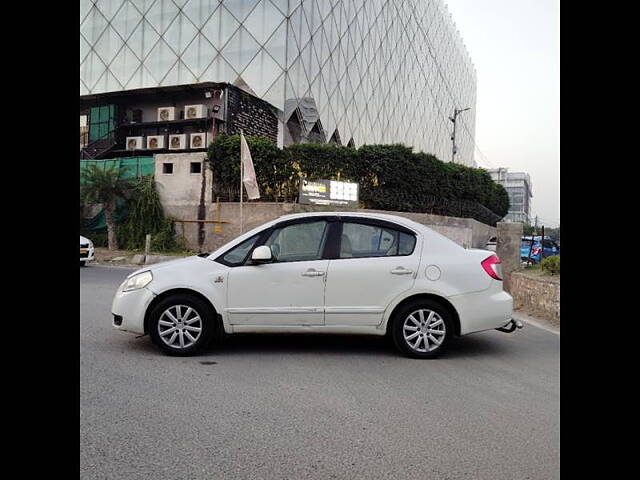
(84, 239)
(179, 265)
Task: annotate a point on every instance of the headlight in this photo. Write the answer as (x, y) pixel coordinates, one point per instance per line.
(140, 280)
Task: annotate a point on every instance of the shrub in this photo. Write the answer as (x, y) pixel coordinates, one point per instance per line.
(274, 171)
(146, 216)
(391, 177)
(145, 213)
(165, 239)
(551, 265)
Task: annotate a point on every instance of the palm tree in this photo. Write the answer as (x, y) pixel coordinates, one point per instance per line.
(104, 186)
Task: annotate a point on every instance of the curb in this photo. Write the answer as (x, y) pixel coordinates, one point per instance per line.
(541, 324)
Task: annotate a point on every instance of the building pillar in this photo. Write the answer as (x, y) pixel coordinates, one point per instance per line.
(508, 249)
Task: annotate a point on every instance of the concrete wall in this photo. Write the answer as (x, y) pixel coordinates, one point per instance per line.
(539, 295)
(256, 213)
(185, 195)
(508, 249)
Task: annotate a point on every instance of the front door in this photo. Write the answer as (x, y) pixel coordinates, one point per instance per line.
(288, 291)
(376, 263)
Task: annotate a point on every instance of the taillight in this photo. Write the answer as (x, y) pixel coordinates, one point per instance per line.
(491, 265)
(536, 250)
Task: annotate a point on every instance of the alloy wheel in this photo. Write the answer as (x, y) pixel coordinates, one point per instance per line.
(424, 330)
(180, 326)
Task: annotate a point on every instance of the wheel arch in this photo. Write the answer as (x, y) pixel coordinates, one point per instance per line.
(427, 296)
(176, 291)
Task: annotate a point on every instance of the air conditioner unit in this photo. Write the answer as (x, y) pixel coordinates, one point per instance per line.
(155, 142)
(166, 114)
(200, 140)
(135, 143)
(178, 142)
(194, 111)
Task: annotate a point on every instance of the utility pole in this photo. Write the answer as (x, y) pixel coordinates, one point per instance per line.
(454, 149)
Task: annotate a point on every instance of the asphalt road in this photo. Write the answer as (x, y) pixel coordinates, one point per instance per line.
(294, 407)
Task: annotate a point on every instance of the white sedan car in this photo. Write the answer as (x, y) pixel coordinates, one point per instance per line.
(86, 250)
(353, 273)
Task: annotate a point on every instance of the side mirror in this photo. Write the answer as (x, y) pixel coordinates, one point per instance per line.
(262, 254)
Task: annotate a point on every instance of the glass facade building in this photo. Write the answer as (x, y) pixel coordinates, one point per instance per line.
(518, 186)
(350, 71)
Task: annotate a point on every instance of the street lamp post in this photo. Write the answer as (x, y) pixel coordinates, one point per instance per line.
(456, 112)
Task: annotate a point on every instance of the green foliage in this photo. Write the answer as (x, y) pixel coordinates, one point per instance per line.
(146, 216)
(103, 185)
(98, 239)
(165, 239)
(323, 161)
(274, 172)
(551, 265)
(391, 177)
(145, 213)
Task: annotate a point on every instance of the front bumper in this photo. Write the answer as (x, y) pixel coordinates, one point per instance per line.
(131, 307)
(86, 254)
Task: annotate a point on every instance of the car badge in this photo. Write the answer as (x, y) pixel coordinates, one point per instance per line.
(219, 279)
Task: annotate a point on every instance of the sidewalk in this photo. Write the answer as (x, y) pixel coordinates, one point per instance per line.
(104, 256)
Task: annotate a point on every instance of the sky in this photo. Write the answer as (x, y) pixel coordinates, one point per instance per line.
(515, 47)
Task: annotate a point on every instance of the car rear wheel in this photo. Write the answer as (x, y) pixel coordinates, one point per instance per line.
(422, 329)
(181, 325)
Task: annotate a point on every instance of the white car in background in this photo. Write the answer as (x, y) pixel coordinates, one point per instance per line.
(86, 250)
(491, 244)
(321, 272)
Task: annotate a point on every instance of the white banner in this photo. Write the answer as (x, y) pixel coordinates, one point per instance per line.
(249, 174)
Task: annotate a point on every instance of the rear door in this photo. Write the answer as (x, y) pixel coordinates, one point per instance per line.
(376, 261)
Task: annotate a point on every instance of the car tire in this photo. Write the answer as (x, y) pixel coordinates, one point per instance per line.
(181, 315)
(82, 263)
(431, 323)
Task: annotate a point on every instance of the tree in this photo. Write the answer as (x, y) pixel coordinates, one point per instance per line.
(106, 187)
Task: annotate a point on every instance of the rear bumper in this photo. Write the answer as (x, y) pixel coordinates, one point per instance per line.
(483, 310)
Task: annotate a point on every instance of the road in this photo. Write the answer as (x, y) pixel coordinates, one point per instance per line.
(313, 407)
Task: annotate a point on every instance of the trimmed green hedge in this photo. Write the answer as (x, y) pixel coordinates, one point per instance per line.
(391, 177)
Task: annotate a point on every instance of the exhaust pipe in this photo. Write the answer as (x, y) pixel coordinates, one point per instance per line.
(511, 326)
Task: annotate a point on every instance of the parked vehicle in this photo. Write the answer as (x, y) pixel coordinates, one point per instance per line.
(321, 272)
(86, 250)
(491, 244)
(548, 248)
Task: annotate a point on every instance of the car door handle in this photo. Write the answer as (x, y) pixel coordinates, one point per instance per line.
(401, 271)
(312, 273)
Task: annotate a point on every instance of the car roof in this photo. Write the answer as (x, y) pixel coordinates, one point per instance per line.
(382, 216)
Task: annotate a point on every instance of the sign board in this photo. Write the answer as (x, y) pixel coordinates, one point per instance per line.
(328, 192)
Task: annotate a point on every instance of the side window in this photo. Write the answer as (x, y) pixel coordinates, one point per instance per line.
(237, 255)
(359, 241)
(298, 242)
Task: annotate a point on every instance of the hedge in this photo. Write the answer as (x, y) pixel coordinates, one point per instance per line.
(391, 177)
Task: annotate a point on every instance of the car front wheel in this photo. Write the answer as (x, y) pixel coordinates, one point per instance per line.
(422, 329)
(181, 325)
